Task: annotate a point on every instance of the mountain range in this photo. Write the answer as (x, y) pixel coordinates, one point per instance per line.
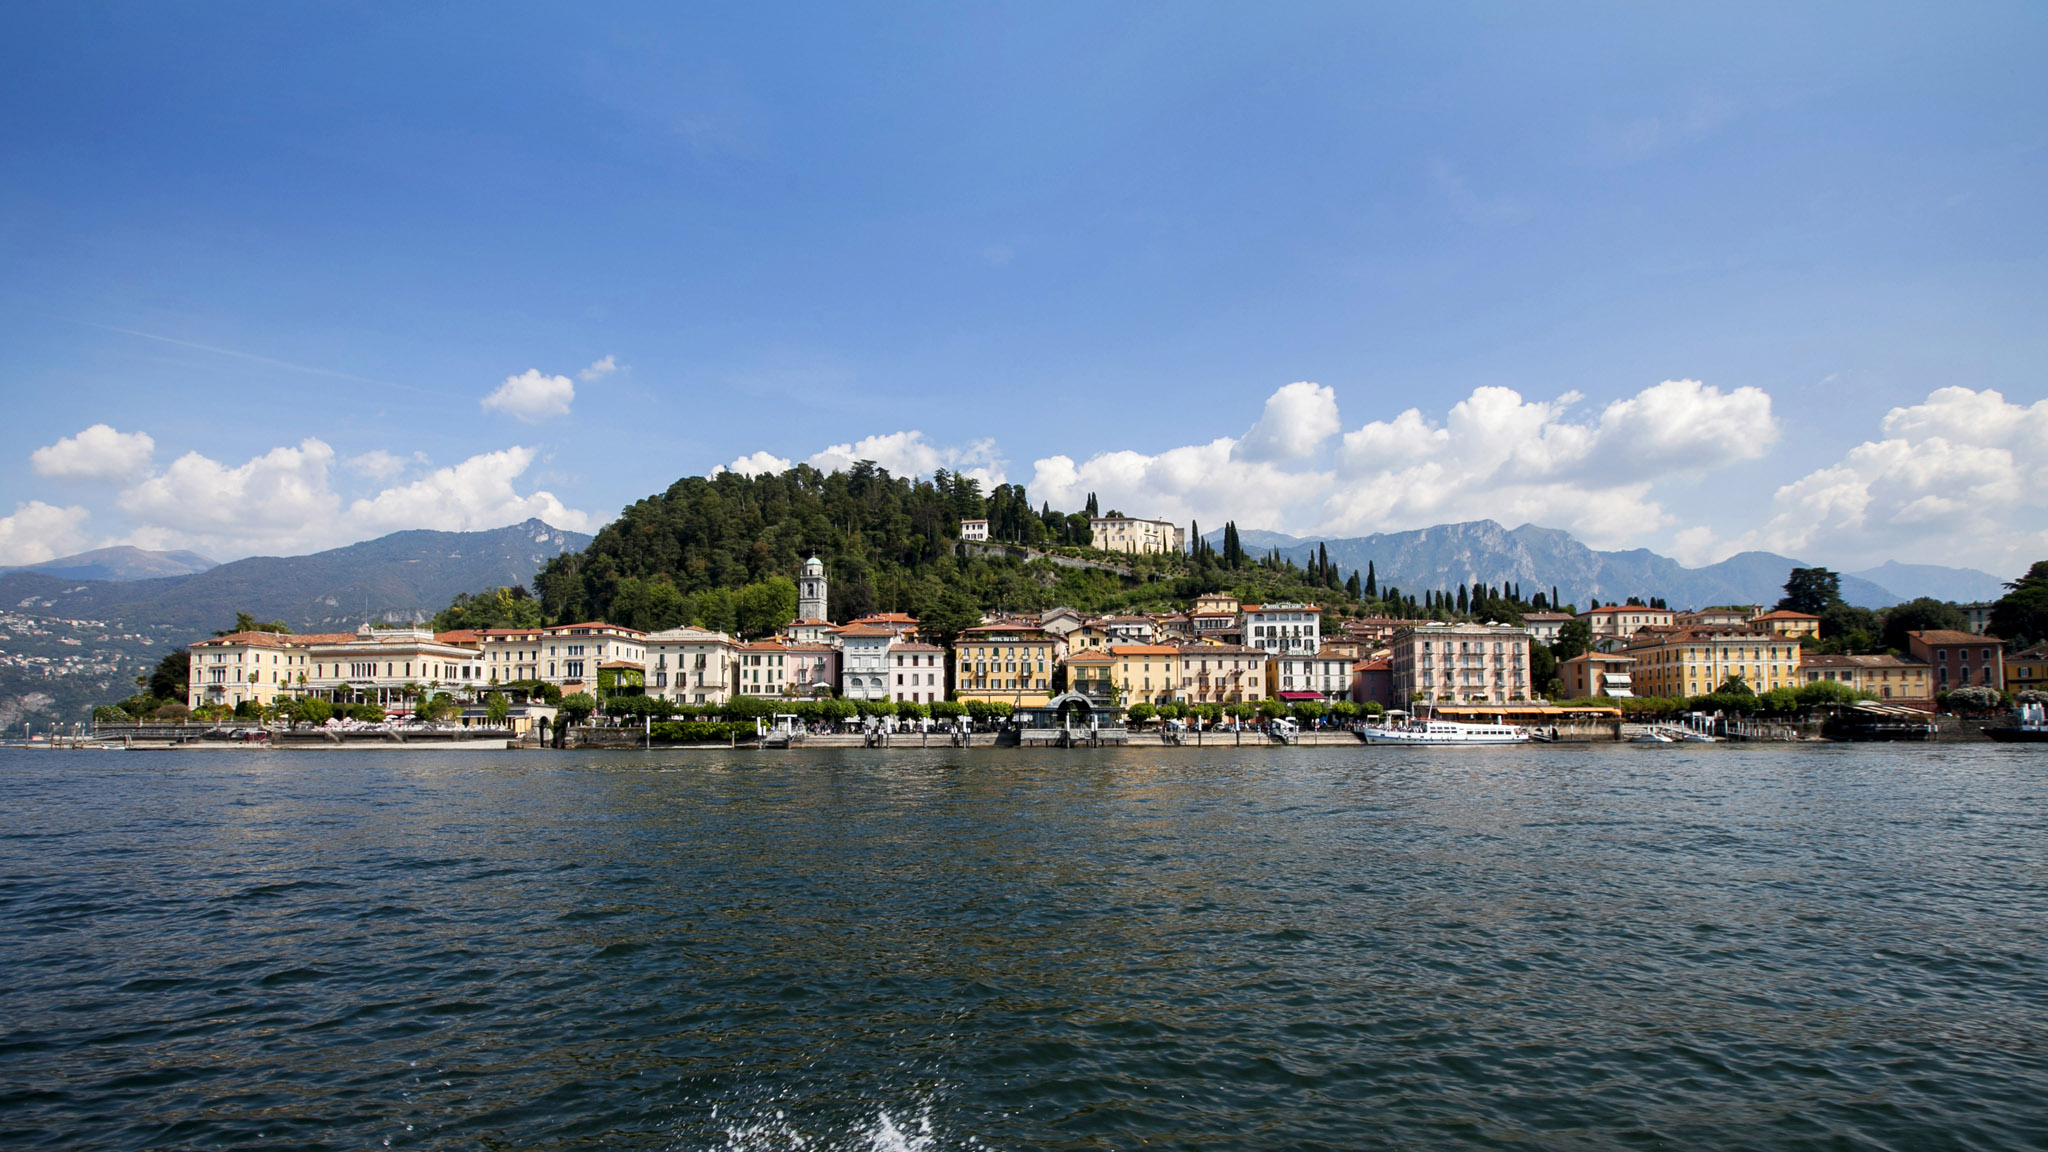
(68, 642)
(1482, 551)
(403, 576)
(121, 562)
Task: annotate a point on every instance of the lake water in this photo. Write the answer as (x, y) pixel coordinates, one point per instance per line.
(1723, 947)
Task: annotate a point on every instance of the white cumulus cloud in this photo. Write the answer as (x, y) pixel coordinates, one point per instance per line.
(1959, 478)
(598, 370)
(905, 453)
(1499, 456)
(282, 495)
(38, 532)
(477, 493)
(284, 501)
(1297, 420)
(98, 453)
(532, 397)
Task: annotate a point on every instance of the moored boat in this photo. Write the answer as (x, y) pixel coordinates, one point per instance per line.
(2030, 726)
(1442, 732)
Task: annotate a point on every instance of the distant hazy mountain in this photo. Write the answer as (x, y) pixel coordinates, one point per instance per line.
(1541, 558)
(406, 575)
(122, 563)
(1910, 581)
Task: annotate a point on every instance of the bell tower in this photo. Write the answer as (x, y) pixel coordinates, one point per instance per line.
(810, 591)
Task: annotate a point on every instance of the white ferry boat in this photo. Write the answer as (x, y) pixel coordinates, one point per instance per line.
(1442, 732)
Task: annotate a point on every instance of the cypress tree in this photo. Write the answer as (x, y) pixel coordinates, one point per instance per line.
(1372, 583)
(1464, 604)
(1353, 587)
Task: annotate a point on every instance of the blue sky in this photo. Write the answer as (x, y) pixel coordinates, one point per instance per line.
(1690, 280)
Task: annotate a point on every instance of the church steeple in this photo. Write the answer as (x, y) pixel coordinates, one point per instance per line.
(810, 591)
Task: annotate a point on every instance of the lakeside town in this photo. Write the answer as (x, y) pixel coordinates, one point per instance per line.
(1481, 655)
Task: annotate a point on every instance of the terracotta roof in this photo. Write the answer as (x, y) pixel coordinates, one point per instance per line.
(862, 631)
(1378, 664)
(256, 639)
(616, 665)
(1096, 656)
(1599, 658)
(564, 628)
(1019, 627)
(916, 646)
(1951, 636)
(458, 636)
(1145, 650)
(888, 618)
(1885, 660)
(1786, 614)
(1622, 608)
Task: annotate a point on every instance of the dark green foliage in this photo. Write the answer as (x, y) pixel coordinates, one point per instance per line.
(504, 607)
(1811, 590)
(1542, 665)
(169, 679)
(1575, 638)
(1920, 615)
(577, 707)
(700, 732)
(247, 623)
(2021, 615)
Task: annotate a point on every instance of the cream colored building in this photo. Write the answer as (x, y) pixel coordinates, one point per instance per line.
(1222, 674)
(1886, 677)
(691, 665)
(1625, 620)
(1147, 673)
(385, 665)
(1129, 534)
(250, 666)
(1789, 624)
(1326, 673)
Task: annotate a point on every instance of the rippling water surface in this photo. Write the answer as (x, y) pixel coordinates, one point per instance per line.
(1722, 947)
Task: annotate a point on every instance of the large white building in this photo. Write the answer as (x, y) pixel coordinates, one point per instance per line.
(251, 666)
(1130, 534)
(917, 671)
(864, 661)
(565, 655)
(1284, 629)
(692, 665)
(1327, 675)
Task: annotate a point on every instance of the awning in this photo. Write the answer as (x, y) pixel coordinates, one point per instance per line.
(1299, 695)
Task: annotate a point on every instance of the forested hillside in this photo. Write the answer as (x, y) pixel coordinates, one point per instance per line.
(702, 551)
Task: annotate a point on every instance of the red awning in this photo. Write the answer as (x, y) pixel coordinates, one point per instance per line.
(1299, 695)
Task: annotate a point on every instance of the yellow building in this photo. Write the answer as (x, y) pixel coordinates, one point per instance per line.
(1146, 673)
(1092, 673)
(1791, 625)
(1885, 677)
(2028, 669)
(1695, 661)
(1009, 663)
